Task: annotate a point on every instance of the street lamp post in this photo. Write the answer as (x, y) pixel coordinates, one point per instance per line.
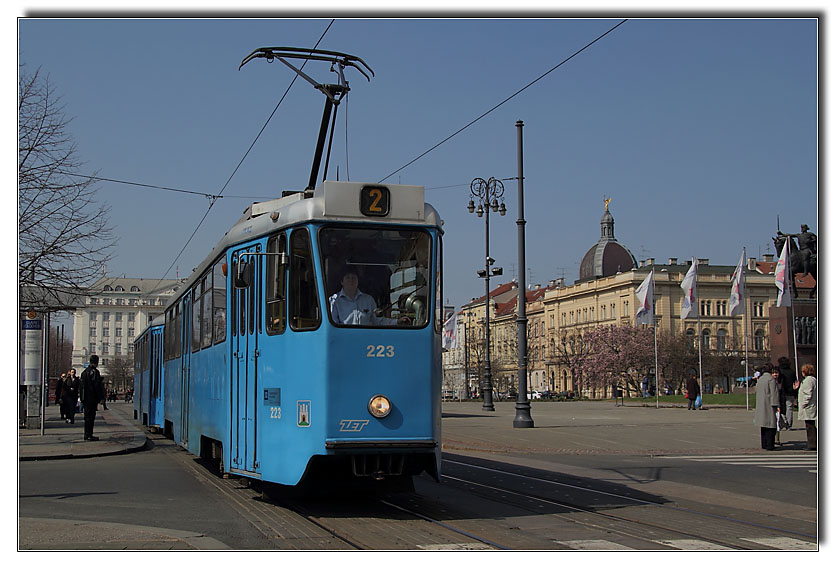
(487, 194)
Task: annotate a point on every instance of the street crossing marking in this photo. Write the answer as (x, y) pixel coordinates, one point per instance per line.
(784, 543)
(805, 461)
(592, 544)
(455, 546)
(694, 544)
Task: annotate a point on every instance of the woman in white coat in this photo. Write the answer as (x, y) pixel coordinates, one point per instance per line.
(808, 403)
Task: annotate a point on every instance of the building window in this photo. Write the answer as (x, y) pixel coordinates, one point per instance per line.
(130, 332)
(757, 308)
(92, 319)
(105, 332)
(118, 332)
(105, 316)
(705, 308)
(118, 349)
(131, 316)
(105, 348)
(134, 288)
(759, 344)
(108, 288)
(721, 339)
(120, 288)
(92, 348)
(92, 331)
(721, 307)
(689, 333)
(706, 339)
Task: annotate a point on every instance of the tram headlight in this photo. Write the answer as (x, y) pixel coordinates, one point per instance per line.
(379, 406)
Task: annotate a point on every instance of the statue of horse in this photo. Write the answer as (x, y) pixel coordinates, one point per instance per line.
(801, 261)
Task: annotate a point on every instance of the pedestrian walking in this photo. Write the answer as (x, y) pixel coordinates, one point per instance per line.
(789, 389)
(767, 406)
(92, 393)
(59, 400)
(69, 396)
(645, 383)
(808, 404)
(692, 388)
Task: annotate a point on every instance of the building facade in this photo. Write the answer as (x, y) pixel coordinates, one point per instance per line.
(112, 314)
(605, 295)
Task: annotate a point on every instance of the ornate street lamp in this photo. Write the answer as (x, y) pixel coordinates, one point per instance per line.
(488, 195)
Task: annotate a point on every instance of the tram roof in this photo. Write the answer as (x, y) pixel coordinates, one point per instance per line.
(331, 201)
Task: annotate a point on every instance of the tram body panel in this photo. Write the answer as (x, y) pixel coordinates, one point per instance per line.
(293, 408)
(208, 408)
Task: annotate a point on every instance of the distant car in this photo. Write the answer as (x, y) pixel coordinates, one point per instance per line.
(535, 395)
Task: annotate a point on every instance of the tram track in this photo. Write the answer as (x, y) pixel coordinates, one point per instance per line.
(640, 519)
(478, 508)
(289, 521)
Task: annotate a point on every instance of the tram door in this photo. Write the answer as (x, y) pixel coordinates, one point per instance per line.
(246, 327)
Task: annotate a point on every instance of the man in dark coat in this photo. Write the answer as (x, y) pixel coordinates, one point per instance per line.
(92, 393)
(692, 386)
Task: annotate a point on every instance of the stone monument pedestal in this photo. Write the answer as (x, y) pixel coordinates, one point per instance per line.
(786, 333)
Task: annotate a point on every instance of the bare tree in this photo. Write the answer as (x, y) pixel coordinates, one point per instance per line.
(121, 372)
(64, 237)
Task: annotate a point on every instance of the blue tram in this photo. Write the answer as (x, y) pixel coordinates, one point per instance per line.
(307, 345)
(148, 375)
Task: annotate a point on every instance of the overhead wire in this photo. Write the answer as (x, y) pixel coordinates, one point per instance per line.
(489, 111)
(260, 132)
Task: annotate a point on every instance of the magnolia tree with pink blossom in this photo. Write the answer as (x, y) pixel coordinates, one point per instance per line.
(619, 355)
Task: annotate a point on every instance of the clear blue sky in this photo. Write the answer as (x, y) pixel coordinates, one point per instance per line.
(701, 131)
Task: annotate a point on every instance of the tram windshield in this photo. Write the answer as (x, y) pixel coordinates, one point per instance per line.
(376, 277)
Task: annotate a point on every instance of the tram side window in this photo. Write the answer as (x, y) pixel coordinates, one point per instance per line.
(219, 302)
(206, 312)
(276, 297)
(304, 306)
(439, 305)
(168, 332)
(178, 328)
(196, 312)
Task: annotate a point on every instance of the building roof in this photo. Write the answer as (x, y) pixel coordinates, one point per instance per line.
(607, 257)
(145, 287)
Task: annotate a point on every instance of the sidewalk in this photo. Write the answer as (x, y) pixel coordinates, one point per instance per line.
(117, 432)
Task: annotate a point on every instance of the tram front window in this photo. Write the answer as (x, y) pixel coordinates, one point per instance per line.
(376, 277)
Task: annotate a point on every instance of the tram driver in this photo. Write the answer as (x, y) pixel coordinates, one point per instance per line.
(353, 306)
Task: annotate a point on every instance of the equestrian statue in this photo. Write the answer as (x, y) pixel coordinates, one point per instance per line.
(802, 255)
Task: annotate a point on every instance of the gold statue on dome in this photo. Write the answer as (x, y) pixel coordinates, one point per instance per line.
(607, 203)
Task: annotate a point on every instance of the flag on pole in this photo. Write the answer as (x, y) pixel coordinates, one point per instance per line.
(645, 295)
(448, 335)
(689, 287)
(782, 276)
(736, 305)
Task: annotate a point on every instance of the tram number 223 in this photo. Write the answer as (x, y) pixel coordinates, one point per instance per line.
(380, 351)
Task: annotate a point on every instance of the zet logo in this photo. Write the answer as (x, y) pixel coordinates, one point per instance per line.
(353, 425)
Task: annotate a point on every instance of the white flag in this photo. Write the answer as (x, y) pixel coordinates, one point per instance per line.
(448, 334)
(782, 276)
(738, 285)
(689, 287)
(645, 295)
